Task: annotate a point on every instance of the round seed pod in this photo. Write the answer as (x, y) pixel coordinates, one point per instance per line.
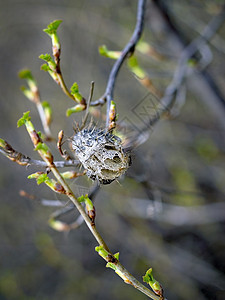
(101, 154)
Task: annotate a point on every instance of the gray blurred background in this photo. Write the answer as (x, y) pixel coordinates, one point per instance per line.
(168, 212)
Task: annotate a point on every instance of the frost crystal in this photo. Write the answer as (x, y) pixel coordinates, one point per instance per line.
(101, 154)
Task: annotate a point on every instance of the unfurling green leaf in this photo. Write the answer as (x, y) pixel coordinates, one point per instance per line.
(75, 109)
(75, 92)
(103, 50)
(116, 255)
(51, 30)
(41, 147)
(25, 118)
(135, 68)
(2, 143)
(42, 178)
(45, 67)
(52, 65)
(46, 57)
(102, 252)
(48, 111)
(39, 176)
(111, 266)
(52, 27)
(74, 89)
(25, 74)
(154, 284)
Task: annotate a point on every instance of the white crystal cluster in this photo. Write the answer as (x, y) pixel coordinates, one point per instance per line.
(101, 154)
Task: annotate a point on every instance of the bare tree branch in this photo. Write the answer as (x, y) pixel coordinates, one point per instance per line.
(182, 39)
(24, 160)
(128, 50)
(180, 73)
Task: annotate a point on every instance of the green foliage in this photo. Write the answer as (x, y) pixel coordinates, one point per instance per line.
(52, 27)
(2, 143)
(29, 93)
(39, 176)
(102, 252)
(48, 111)
(45, 105)
(26, 117)
(81, 198)
(86, 200)
(154, 284)
(75, 92)
(74, 89)
(135, 68)
(45, 67)
(51, 64)
(46, 57)
(25, 74)
(42, 178)
(75, 109)
(41, 147)
(103, 50)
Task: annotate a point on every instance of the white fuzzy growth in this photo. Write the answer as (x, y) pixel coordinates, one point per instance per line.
(101, 154)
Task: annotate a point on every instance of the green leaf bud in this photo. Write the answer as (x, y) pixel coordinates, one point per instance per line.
(75, 109)
(135, 68)
(75, 92)
(103, 50)
(48, 111)
(102, 252)
(154, 284)
(52, 27)
(26, 117)
(47, 57)
(2, 143)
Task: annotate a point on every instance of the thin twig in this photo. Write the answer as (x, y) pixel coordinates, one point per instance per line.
(65, 210)
(24, 160)
(182, 39)
(88, 104)
(128, 50)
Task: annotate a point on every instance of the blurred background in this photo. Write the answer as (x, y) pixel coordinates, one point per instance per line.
(168, 212)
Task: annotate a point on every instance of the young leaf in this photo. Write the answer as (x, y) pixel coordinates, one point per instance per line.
(25, 74)
(48, 111)
(154, 284)
(2, 143)
(26, 117)
(42, 178)
(74, 109)
(42, 147)
(52, 27)
(45, 67)
(75, 92)
(103, 50)
(135, 68)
